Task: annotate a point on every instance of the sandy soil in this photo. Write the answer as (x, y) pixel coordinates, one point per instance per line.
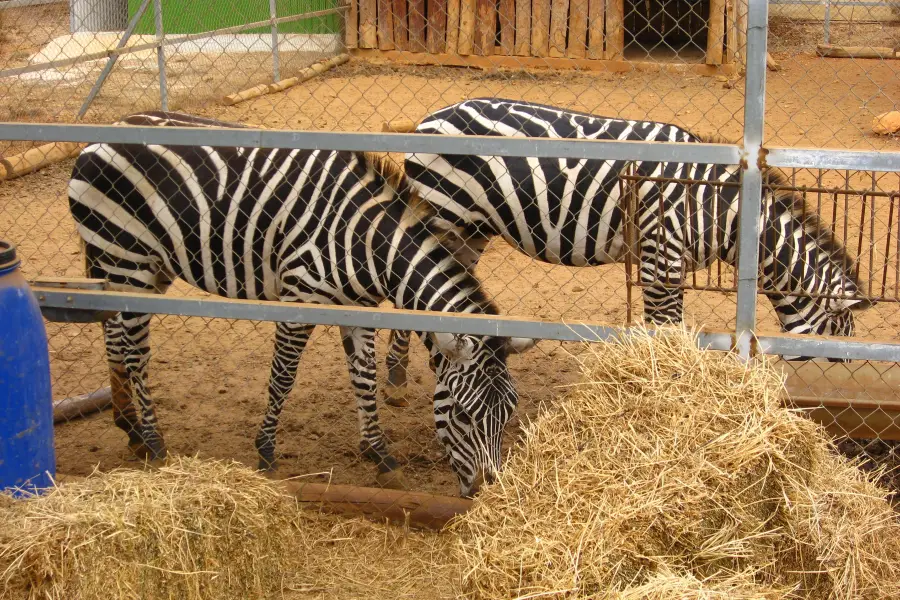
(209, 376)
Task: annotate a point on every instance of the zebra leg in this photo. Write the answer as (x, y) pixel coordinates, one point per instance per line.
(124, 413)
(136, 329)
(290, 341)
(359, 346)
(661, 277)
(398, 364)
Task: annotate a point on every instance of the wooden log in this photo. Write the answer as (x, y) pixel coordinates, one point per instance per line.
(830, 51)
(418, 510)
(540, 28)
(615, 30)
(507, 27)
(417, 25)
(280, 86)
(401, 26)
(452, 26)
(69, 409)
(466, 27)
(35, 159)
(485, 27)
(715, 39)
(385, 25)
(400, 126)
(596, 12)
(559, 12)
(578, 19)
(523, 27)
(437, 26)
(771, 64)
(351, 25)
(368, 15)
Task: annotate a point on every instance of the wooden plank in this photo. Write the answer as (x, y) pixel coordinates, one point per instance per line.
(486, 27)
(615, 30)
(437, 26)
(559, 12)
(523, 27)
(540, 28)
(715, 43)
(730, 31)
(385, 27)
(743, 8)
(368, 11)
(578, 19)
(507, 27)
(401, 26)
(529, 63)
(829, 51)
(466, 26)
(452, 26)
(351, 25)
(596, 11)
(417, 25)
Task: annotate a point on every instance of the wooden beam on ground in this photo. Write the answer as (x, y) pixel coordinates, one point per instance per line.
(830, 51)
(525, 63)
(399, 126)
(37, 158)
(279, 86)
(76, 407)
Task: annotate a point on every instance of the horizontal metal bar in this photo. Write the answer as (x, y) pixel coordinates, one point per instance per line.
(351, 316)
(376, 142)
(821, 158)
(849, 348)
(168, 41)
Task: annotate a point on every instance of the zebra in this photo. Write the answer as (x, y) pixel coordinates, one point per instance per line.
(570, 212)
(339, 228)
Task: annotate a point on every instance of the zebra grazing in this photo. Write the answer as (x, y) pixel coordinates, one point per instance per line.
(570, 212)
(294, 226)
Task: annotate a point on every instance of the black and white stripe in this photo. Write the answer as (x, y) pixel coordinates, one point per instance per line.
(572, 212)
(294, 226)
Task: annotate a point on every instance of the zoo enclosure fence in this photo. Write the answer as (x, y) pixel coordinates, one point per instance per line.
(749, 154)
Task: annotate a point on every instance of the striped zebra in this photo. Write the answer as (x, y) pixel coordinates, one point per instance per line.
(336, 228)
(570, 212)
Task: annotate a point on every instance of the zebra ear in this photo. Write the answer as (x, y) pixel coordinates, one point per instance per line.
(453, 346)
(518, 345)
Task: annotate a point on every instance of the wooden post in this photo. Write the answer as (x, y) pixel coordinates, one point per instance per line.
(351, 25)
(523, 27)
(595, 28)
(437, 26)
(742, 10)
(466, 26)
(507, 27)
(716, 33)
(417, 25)
(730, 31)
(615, 30)
(452, 26)
(540, 27)
(485, 27)
(559, 11)
(401, 26)
(385, 25)
(368, 16)
(578, 19)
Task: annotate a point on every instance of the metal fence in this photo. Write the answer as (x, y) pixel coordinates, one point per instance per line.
(702, 66)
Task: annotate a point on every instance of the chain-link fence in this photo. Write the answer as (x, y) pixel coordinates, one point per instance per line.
(634, 212)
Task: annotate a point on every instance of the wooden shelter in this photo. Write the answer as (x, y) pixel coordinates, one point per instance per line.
(600, 35)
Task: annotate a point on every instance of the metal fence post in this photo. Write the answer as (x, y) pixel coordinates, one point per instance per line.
(751, 185)
(161, 56)
(276, 62)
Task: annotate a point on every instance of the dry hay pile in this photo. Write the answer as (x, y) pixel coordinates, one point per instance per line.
(202, 529)
(669, 473)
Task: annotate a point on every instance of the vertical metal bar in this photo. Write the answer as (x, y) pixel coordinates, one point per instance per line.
(161, 56)
(276, 57)
(751, 182)
(107, 68)
(827, 22)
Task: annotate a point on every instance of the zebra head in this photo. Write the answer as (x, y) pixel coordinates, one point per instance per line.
(474, 399)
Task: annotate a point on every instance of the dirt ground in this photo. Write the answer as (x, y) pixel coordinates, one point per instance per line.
(209, 377)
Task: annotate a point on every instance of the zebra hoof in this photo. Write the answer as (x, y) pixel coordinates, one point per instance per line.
(393, 480)
(395, 396)
(266, 464)
(149, 451)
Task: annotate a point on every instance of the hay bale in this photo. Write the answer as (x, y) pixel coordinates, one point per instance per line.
(202, 529)
(671, 472)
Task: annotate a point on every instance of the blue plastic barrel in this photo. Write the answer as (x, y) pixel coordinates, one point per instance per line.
(27, 458)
